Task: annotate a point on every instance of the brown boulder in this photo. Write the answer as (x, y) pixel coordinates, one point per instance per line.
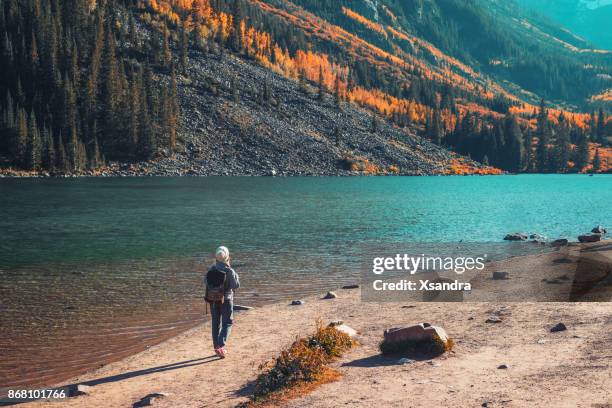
(416, 333)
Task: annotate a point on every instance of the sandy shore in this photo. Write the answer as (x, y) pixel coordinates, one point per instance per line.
(566, 369)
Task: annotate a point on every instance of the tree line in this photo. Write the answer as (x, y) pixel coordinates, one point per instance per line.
(81, 86)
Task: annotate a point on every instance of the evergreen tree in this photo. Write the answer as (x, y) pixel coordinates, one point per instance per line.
(601, 127)
(321, 86)
(597, 162)
(582, 153)
(34, 148)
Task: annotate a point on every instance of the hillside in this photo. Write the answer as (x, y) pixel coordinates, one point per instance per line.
(302, 87)
(588, 19)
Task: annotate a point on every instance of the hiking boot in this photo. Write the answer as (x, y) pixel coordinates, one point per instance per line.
(221, 352)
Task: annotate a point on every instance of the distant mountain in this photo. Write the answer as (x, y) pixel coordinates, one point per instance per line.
(587, 18)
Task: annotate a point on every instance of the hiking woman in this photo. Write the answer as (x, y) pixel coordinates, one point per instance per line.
(221, 282)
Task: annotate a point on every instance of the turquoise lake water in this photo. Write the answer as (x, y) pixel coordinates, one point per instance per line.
(90, 220)
(123, 258)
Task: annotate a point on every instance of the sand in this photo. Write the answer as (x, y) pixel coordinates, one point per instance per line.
(565, 369)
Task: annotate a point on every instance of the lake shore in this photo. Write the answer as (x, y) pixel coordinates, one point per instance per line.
(569, 368)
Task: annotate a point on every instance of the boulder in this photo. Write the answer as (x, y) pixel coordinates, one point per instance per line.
(517, 236)
(501, 275)
(599, 230)
(417, 333)
(330, 295)
(297, 303)
(558, 328)
(560, 242)
(589, 238)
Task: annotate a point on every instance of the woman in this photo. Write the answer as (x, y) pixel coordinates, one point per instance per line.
(221, 282)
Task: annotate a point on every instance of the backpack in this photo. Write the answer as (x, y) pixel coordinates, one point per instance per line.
(215, 286)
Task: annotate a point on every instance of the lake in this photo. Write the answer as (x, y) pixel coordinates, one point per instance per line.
(92, 270)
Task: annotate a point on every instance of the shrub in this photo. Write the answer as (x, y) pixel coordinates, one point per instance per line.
(333, 342)
(299, 362)
(305, 361)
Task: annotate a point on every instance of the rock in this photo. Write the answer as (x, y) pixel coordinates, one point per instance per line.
(297, 303)
(560, 242)
(599, 230)
(501, 275)
(403, 361)
(78, 389)
(349, 331)
(559, 327)
(335, 323)
(240, 307)
(350, 287)
(493, 319)
(589, 238)
(147, 400)
(538, 238)
(517, 236)
(330, 295)
(503, 367)
(417, 333)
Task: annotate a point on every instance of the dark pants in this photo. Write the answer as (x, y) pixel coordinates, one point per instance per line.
(222, 319)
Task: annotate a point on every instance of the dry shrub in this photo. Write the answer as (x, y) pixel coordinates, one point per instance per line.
(333, 342)
(304, 362)
(430, 348)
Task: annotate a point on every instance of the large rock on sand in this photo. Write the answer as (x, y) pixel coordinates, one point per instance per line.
(415, 334)
(589, 238)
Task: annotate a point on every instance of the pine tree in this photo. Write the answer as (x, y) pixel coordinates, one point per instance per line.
(33, 148)
(337, 95)
(374, 124)
(582, 153)
(597, 162)
(184, 50)
(321, 86)
(601, 127)
(48, 155)
(514, 138)
(21, 137)
(337, 136)
(236, 42)
(302, 82)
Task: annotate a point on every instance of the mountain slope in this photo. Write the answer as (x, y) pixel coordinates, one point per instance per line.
(589, 19)
(304, 86)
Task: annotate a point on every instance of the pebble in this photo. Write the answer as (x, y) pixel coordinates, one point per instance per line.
(297, 303)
